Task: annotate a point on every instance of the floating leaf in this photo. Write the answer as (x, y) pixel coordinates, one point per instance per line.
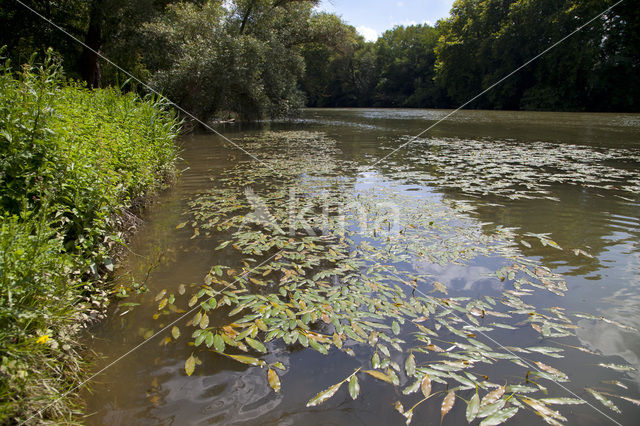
(551, 370)
(447, 404)
(218, 343)
(354, 387)
(410, 365)
(175, 332)
(258, 346)
(440, 287)
(425, 385)
(617, 367)
(493, 396)
(499, 417)
(274, 380)
(472, 407)
(324, 395)
(562, 401)
(379, 375)
(247, 360)
(395, 327)
(603, 400)
(190, 365)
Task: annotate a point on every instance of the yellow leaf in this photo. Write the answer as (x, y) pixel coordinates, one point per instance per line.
(379, 375)
(190, 365)
(274, 380)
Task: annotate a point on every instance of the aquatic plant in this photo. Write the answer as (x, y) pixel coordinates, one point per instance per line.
(326, 258)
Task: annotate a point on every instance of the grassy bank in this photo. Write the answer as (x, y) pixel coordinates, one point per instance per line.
(73, 164)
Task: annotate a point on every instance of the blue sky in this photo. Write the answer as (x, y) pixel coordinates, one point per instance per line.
(373, 17)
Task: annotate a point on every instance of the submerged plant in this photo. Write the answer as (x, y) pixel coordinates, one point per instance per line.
(328, 258)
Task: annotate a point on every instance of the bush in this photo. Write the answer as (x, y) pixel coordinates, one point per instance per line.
(71, 161)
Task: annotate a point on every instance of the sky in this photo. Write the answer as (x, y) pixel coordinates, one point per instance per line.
(373, 17)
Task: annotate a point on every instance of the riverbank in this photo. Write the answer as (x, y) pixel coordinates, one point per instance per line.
(76, 166)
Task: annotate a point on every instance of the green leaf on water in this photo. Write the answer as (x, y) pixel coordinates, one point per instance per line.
(256, 344)
(218, 343)
(603, 400)
(472, 407)
(175, 332)
(190, 365)
(324, 395)
(354, 387)
(274, 380)
(247, 360)
(499, 417)
(410, 365)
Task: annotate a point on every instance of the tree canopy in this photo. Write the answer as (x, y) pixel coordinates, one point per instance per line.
(267, 58)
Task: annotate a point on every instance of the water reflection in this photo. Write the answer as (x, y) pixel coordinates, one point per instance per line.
(151, 387)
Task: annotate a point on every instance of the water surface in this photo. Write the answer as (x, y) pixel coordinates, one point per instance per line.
(572, 177)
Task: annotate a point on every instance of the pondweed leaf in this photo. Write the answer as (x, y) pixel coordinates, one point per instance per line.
(379, 375)
(425, 385)
(562, 401)
(247, 360)
(175, 332)
(617, 367)
(472, 407)
(324, 395)
(447, 404)
(190, 365)
(218, 343)
(256, 345)
(603, 400)
(499, 417)
(274, 380)
(493, 396)
(354, 387)
(553, 371)
(410, 365)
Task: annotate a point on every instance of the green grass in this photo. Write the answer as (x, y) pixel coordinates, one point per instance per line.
(72, 162)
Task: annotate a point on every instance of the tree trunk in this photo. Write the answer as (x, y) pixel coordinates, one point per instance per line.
(89, 64)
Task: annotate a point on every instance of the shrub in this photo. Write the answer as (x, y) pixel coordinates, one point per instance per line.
(71, 161)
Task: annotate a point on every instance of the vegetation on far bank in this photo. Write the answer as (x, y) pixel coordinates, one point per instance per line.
(73, 165)
(267, 58)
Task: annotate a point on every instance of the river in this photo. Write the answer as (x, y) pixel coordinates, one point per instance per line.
(557, 192)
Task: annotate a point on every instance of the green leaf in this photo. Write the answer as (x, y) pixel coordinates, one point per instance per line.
(247, 360)
(218, 343)
(410, 365)
(604, 401)
(175, 332)
(190, 365)
(324, 395)
(354, 387)
(395, 327)
(256, 345)
(274, 380)
(499, 417)
(318, 346)
(472, 407)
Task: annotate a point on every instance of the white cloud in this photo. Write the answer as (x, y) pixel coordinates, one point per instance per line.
(369, 34)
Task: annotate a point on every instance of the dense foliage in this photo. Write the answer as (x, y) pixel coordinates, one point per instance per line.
(262, 58)
(481, 42)
(71, 162)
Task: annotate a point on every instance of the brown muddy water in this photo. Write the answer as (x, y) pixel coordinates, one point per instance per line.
(556, 194)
